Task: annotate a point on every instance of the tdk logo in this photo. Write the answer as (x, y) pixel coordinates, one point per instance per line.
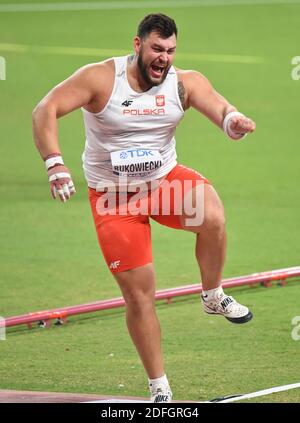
(135, 153)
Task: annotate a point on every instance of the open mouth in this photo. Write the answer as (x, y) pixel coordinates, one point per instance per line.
(157, 71)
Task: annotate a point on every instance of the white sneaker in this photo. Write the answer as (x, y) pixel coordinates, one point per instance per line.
(227, 307)
(161, 393)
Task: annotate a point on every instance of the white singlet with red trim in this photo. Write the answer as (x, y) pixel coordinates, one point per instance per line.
(133, 136)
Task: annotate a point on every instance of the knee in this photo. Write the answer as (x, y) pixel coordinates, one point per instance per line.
(139, 302)
(215, 219)
(138, 296)
(209, 213)
(138, 287)
(213, 223)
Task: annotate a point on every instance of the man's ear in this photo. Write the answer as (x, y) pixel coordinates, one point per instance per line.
(137, 44)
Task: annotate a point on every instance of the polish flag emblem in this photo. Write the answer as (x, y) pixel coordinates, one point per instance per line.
(160, 100)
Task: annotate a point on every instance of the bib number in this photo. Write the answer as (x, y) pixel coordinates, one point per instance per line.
(135, 162)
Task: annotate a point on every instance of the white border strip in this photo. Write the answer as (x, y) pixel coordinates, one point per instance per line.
(118, 5)
(261, 393)
(95, 52)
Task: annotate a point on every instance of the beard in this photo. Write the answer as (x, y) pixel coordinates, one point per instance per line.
(145, 73)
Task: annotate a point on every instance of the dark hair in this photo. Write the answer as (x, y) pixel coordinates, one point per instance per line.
(157, 22)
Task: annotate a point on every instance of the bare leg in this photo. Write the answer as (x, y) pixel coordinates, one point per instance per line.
(211, 239)
(210, 254)
(138, 289)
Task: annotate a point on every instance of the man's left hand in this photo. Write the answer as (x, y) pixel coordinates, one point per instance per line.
(241, 125)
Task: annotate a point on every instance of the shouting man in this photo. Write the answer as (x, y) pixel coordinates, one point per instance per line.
(131, 107)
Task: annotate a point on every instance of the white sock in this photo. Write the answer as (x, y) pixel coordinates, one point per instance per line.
(158, 381)
(212, 294)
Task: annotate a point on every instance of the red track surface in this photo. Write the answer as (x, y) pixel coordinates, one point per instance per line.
(10, 396)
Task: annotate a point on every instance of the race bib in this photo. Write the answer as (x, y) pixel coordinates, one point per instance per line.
(135, 162)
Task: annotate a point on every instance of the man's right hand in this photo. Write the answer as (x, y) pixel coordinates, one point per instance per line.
(59, 177)
(61, 182)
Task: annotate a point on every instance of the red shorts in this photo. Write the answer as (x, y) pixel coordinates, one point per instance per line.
(125, 235)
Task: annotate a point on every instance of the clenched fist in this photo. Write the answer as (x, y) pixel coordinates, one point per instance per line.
(237, 126)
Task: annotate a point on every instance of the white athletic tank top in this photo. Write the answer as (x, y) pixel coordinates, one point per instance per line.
(133, 136)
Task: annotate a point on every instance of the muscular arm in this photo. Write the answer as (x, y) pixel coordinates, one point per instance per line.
(78, 90)
(200, 95)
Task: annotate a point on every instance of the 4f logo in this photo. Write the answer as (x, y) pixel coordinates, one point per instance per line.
(160, 100)
(115, 264)
(127, 103)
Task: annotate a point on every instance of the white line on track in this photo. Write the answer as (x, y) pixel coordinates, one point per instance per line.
(118, 5)
(261, 393)
(100, 53)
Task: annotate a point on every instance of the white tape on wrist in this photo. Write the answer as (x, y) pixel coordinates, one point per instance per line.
(226, 126)
(53, 161)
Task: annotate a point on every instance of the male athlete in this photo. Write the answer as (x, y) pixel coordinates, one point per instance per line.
(131, 106)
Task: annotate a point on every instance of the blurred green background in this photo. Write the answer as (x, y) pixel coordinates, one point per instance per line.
(49, 253)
